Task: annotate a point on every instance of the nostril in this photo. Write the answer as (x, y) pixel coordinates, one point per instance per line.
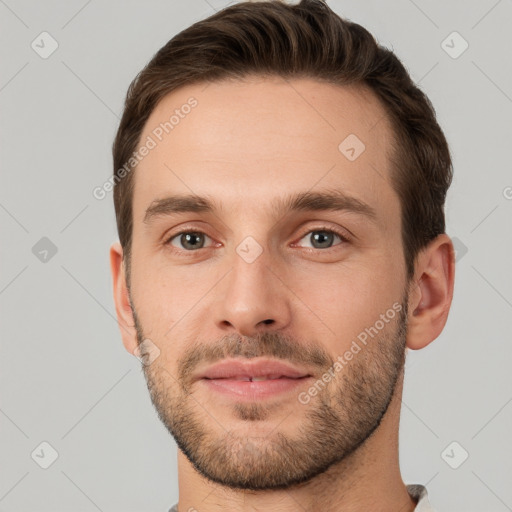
(269, 321)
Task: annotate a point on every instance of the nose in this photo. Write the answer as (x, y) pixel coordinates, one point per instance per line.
(253, 298)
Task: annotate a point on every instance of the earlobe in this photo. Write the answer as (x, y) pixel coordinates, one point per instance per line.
(431, 294)
(123, 306)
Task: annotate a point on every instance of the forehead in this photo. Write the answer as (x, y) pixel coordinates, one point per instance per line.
(248, 142)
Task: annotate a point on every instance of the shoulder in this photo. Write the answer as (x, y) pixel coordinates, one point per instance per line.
(419, 494)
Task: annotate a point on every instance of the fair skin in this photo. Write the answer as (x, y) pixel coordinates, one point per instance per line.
(246, 145)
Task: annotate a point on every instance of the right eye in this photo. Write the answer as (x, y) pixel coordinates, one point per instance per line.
(188, 240)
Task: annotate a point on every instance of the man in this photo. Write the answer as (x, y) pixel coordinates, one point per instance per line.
(279, 194)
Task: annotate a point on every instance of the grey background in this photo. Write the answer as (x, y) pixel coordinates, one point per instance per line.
(65, 377)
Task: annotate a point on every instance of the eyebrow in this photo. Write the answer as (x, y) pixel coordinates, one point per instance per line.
(330, 200)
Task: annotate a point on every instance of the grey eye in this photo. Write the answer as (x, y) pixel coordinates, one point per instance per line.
(321, 239)
(189, 240)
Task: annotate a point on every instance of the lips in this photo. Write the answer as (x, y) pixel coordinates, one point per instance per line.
(253, 380)
(258, 379)
(253, 371)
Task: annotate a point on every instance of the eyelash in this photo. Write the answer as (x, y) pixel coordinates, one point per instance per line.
(342, 235)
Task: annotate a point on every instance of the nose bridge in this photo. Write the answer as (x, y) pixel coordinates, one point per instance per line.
(253, 297)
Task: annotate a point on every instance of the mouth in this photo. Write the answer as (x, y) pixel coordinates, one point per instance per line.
(253, 379)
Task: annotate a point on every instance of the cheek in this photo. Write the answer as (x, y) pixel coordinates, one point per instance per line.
(160, 300)
(166, 298)
(343, 300)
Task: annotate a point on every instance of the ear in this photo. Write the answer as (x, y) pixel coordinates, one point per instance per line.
(431, 292)
(122, 299)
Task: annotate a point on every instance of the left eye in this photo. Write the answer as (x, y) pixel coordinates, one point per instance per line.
(322, 238)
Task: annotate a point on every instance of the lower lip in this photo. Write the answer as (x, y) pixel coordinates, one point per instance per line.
(254, 390)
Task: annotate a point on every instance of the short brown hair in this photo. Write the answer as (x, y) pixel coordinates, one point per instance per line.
(306, 40)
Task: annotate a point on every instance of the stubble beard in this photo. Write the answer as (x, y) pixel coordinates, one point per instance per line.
(332, 426)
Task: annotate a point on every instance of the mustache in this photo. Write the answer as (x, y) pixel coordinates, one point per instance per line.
(269, 344)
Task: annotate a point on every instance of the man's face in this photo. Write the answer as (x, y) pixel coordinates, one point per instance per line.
(253, 282)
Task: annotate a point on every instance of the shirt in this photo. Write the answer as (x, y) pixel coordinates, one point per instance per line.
(416, 492)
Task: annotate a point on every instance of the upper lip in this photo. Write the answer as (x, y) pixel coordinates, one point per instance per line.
(233, 369)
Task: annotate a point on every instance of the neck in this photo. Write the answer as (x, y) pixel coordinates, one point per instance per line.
(368, 479)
